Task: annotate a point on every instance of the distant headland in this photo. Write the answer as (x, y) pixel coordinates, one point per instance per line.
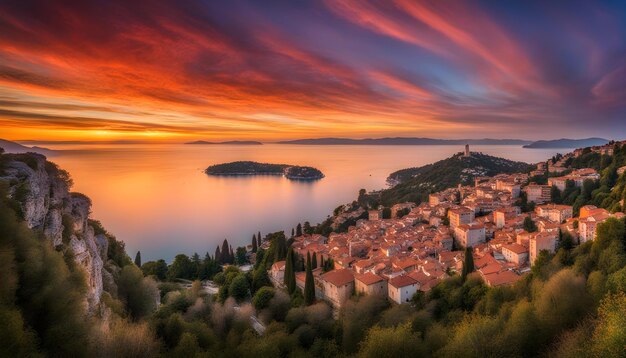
(405, 141)
(292, 172)
(568, 143)
(231, 142)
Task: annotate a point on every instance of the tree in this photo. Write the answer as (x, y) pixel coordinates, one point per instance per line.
(398, 341)
(258, 237)
(157, 269)
(609, 335)
(314, 261)
(182, 267)
(218, 254)
(468, 263)
(240, 256)
(254, 243)
(529, 224)
(307, 228)
(555, 195)
(262, 298)
(293, 232)
(260, 278)
(195, 265)
(309, 283)
(299, 230)
(225, 252)
(239, 288)
(138, 259)
(137, 292)
(290, 274)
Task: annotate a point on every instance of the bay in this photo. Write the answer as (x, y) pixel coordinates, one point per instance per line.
(156, 198)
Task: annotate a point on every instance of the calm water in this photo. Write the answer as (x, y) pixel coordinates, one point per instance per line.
(157, 199)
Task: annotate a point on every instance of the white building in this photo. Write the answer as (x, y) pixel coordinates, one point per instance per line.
(402, 288)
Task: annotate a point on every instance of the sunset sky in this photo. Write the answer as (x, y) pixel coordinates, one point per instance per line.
(270, 70)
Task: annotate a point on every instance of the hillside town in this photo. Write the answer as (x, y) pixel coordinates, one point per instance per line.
(418, 246)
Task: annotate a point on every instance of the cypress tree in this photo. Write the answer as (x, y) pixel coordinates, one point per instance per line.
(468, 263)
(309, 283)
(225, 252)
(299, 230)
(314, 261)
(138, 259)
(322, 261)
(254, 243)
(290, 274)
(231, 256)
(218, 254)
(293, 233)
(258, 237)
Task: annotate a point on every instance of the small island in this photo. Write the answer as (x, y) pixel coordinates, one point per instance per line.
(292, 172)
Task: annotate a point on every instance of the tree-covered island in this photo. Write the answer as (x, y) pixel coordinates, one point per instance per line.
(292, 172)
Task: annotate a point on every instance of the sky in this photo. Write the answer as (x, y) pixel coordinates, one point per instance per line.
(270, 70)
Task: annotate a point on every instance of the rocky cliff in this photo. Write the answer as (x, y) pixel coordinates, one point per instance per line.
(62, 217)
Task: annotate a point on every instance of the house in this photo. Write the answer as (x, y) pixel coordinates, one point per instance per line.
(554, 212)
(515, 253)
(460, 216)
(542, 241)
(587, 224)
(470, 235)
(277, 273)
(402, 288)
(375, 215)
(370, 284)
(509, 186)
(338, 286)
(500, 278)
(501, 215)
(538, 193)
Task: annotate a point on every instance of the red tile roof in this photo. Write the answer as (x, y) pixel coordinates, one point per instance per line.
(338, 277)
(368, 278)
(402, 281)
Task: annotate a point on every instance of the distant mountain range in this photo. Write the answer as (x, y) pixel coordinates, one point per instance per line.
(13, 147)
(406, 141)
(567, 143)
(231, 142)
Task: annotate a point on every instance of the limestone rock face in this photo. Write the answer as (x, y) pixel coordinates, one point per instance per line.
(47, 206)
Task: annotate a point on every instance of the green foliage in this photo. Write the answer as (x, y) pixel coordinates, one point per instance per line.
(68, 228)
(157, 269)
(468, 263)
(290, 274)
(309, 283)
(397, 341)
(262, 298)
(239, 288)
(529, 224)
(609, 337)
(139, 293)
(240, 256)
(138, 259)
(41, 299)
(182, 267)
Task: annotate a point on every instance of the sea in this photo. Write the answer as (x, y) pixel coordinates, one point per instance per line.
(157, 199)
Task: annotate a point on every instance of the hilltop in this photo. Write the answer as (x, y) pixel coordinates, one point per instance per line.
(414, 184)
(13, 147)
(567, 143)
